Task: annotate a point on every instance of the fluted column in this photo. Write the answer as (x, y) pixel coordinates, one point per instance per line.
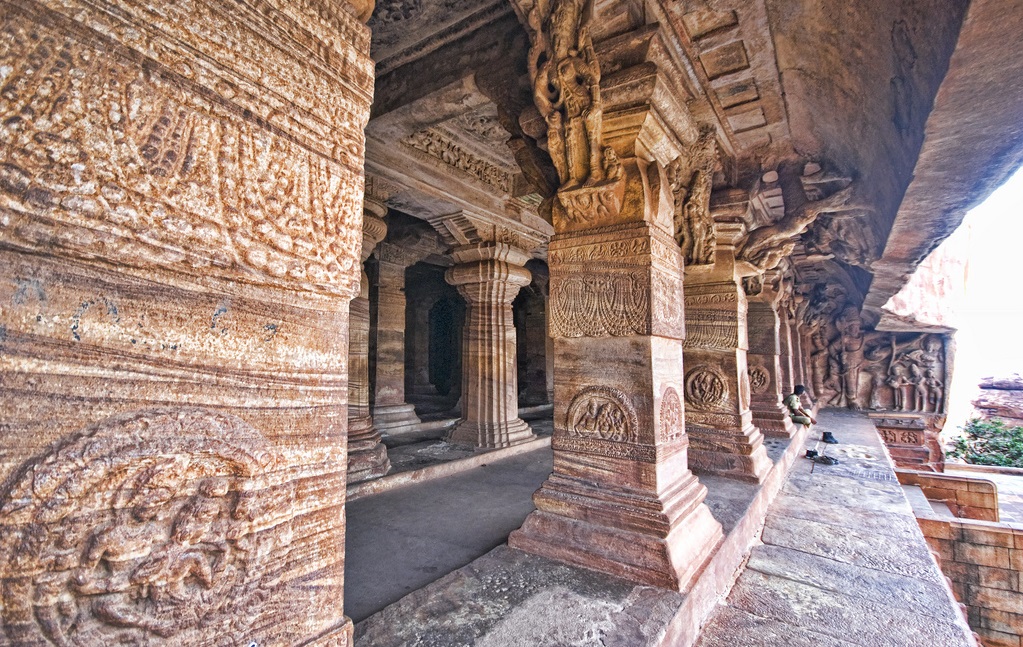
(489, 276)
(367, 456)
(765, 371)
(719, 421)
(391, 414)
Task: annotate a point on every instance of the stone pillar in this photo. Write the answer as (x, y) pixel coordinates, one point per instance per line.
(717, 386)
(391, 414)
(418, 351)
(787, 346)
(489, 276)
(621, 498)
(765, 372)
(179, 239)
(367, 456)
(535, 333)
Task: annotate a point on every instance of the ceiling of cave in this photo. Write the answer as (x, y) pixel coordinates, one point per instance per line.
(831, 91)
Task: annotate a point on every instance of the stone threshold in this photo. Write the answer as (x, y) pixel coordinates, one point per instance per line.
(509, 598)
(439, 470)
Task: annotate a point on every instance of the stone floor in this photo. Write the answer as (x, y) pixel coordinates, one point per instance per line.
(842, 563)
(401, 540)
(1010, 491)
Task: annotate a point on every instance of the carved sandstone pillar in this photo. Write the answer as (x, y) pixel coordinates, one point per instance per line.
(787, 344)
(717, 385)
(367, 456)
(765, 371)
(391, 414)
(180, 214)
(489, 276)
(417, 353)
(621, 498)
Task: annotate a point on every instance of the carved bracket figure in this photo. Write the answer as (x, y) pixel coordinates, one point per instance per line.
(691, 182)
(767, 246)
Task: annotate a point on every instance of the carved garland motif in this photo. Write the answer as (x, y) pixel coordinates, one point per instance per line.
(142, 175)
(598, 305)
(603, 412)
(145, 527)
(705, 388)
(673, 426)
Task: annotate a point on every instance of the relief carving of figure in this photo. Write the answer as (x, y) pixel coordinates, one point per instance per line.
(694, 227)
(566, 90)
(766, 246)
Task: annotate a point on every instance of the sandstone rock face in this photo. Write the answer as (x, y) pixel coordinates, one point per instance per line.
(180, 224)
(1001, 399)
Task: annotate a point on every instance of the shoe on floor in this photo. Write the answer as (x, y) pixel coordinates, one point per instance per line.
(828, 438)
(826, 460)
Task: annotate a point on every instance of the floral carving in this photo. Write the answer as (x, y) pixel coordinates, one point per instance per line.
(393, 11)
(149, 526)
(605, 413)
(705, 388)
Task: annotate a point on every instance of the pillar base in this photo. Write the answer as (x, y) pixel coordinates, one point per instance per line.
(637, 536)
(492, 435)
(773, 420)
(367, 456)
(736, 455)
(395, 419)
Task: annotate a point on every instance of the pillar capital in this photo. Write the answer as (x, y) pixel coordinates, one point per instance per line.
(374, 229)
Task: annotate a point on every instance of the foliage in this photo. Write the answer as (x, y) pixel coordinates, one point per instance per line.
(989, 442)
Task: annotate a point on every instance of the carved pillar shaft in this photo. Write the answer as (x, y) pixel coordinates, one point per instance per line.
(391, 414)
(621, 499)
(417, 352)
(367, 456)
(535, 389)
(175, 377)
(489, 277)
(717, 386)
(764, 359)
(787, 360)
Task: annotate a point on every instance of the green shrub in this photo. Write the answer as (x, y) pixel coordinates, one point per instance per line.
(989, 442)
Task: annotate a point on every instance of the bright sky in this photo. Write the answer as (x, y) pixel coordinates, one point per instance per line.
(990, 320)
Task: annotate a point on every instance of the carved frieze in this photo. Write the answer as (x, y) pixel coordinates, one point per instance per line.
(438, 146)
(600, 304)
(152, 526)
(605, 448)
(672, 428)
(914, 437)
(705, 388)
(142, 175)
(602, 412)
(711, 329)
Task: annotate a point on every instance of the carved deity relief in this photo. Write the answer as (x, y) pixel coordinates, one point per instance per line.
(705, 388)
(691, 182)
(759, 379)
(880, 371)
(766, 247)
(566, 91)
(673, 427)
(146, 527)
(605, 413)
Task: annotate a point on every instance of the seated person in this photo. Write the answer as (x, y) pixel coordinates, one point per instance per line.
(800, 416)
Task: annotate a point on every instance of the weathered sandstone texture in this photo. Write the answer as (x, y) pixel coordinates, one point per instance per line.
(180, 224)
